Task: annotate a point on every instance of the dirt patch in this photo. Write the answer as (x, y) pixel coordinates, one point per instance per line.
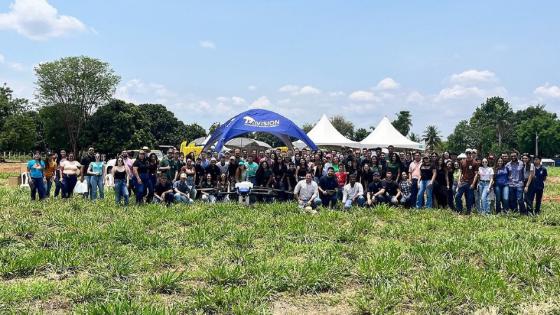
(322, 303)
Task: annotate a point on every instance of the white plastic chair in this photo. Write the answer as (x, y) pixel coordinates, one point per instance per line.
(24, 180)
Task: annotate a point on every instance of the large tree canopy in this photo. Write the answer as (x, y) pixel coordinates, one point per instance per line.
(403, 123)
(77, 85)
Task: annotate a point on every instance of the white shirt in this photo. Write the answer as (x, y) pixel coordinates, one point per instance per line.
(485, 173)
(306, 191)
(350, 192)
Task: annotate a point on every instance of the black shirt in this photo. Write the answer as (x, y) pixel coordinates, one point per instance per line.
(328, 183)
(163, 187)
(152, 167)
(426, 171)
(375, 186)
(390, 187)
(142, 166)
(214, 171)
(86, 160)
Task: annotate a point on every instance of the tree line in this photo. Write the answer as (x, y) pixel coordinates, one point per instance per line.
(74, 106)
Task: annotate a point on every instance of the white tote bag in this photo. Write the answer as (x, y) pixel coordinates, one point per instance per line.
(81, 187)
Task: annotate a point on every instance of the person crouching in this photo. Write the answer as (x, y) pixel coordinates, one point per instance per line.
(163, 191)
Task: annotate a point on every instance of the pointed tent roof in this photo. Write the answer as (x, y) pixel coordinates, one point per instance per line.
(325, 134)
(386, 134)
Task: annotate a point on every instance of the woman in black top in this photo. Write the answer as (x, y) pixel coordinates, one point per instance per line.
(140, 169)
(426, 183)
(153, 164)
(441, 184)
(120, 175)
(301, 169)
(264, 175)
(365, 175)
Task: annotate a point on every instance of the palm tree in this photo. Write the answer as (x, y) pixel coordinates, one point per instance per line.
(431, 136)
(414, 137)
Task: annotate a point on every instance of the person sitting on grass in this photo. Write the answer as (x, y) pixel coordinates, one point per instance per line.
(164, 191)
(208, 190)
(375, 192)
(183, 190)
(327, 188)
(391, 188)
(405, 190)
(306, 193)
(353, 193)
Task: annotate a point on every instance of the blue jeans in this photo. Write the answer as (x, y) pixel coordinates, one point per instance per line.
(48, 186)
(427, 188)
(121, 191)
(151, 186)
(58, 187)
(38, 187)
(529, 196)
(413, 192)
(140, 189)
(182, 199)
(484, 190)
(464, 189)
(360, 201)
(96, 183)
(316, 202)
(502, 197)
(326, 199)
(516, 199)
(87, 179)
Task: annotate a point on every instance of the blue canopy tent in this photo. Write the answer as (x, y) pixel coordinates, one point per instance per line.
(258, 120)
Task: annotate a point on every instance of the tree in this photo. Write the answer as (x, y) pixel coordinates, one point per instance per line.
(403, 123)
(548, 130)
(345, 127)
(431, 136)
(461, 138)
(491, 120)
(52, 130)
(78, 86)
(18, 132)
(129, 128)
(360, 134)
(414, 137)
(307, 127)
(191, 132)
(166, 128)
(213, 127)
(9, 105)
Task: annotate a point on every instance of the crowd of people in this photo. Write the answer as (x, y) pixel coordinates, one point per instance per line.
(351, 178)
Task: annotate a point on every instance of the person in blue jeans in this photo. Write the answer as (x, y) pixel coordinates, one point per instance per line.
(486, 176)
(96, 172)
(120, 175)
(36, 177)
(528, 177)
(501, 189)
(538, 184)
(468, 176)
(515, 183)
(426, 183)
(141, 176)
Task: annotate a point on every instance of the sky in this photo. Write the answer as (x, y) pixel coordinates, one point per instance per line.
(207, 61)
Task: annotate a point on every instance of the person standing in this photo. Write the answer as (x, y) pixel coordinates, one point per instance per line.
(486, 177)
(426, 183)
(538, 184)
(50, 173)
(140, 172)
(70, 171)
(515, 183)
(528, 176)
(153, 165)
(441, 184)
(58, 174)
(501, 189)
(168, 166)
(414, 175)
(121, 175)
(468, 175)
(96, 173)
(86, 160)
(35, 173)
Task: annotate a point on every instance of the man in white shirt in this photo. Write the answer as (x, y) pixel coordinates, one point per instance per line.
(353, 193)
(306, 192)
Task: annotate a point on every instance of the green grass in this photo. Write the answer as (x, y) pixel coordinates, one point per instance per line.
(96, 258)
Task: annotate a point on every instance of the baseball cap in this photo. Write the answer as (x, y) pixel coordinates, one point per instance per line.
(145, 148)
(468, 150)
(376, 174)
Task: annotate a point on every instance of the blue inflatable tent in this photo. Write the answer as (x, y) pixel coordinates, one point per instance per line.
(258, 120)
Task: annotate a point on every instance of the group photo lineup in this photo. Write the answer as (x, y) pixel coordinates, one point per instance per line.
(279, 157)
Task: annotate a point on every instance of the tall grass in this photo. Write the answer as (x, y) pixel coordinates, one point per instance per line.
(96, 258)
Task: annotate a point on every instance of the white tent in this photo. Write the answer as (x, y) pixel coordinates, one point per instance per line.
(325, 134)
(385, 135)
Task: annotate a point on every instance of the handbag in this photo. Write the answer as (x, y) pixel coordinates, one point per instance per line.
(81, 187)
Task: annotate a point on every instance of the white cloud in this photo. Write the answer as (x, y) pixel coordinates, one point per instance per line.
(387, 84)
(415, 97)
(261, 102)
(297, 90)
(473, 76)
(38, 20)
(548, 91)
(458, 91)
(138, 91)
(252, 88)
(237, 100)
(289, 88)
(362, 96)
(336, 93)
(207, 44)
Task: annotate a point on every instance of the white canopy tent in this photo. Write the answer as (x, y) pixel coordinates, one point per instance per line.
(385, 135)
(325, 134)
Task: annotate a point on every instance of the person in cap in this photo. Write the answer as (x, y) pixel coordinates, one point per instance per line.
(468, 176)
(183, 190)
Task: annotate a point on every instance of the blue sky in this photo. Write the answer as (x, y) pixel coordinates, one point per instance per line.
(208, 60)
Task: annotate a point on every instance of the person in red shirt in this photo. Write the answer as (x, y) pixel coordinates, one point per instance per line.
(341, 178)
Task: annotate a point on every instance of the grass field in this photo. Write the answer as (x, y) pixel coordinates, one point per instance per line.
(77, 256)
